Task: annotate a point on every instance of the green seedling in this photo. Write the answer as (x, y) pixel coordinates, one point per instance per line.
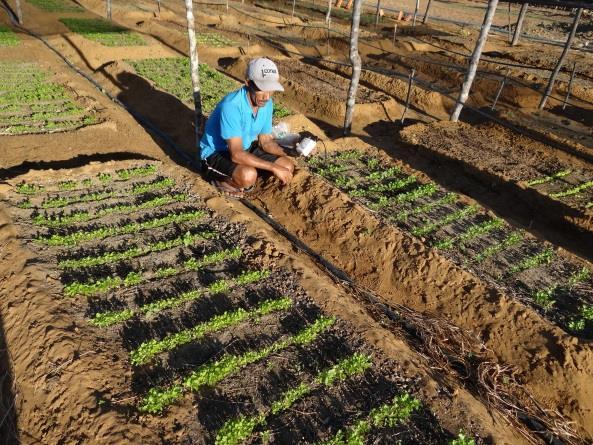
(544, 297)
(29, 189)
(150, 349)
(173, 76)
(510, 240)
(348, 155)
(421, 191)
(578, 277)
(7, 37)
(473, 232)
(392, 186)
(462, 439)
(215, 40)
(129, 173)
(579, 323)
(67, 185)
(87, 182)
(386, 416)
(103, 32)
(389, 173)
(280, 111)
(449, 198)
(56, 5)
(210, 374)
(238, 430)
(105, 177)
(573, 190)
(538, 259)
(431, 227)
(546, 179)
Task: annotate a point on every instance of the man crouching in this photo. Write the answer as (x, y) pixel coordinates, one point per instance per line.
(237, 140)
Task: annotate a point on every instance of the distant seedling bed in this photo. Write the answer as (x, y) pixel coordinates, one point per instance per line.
(533, 270)
(215, 40)
(30, 103)
(184, 293)
(7, 37)
(173, 76)
(56, 5)
(103, 32)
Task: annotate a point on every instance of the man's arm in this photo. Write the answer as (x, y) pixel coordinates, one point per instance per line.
(269, 145)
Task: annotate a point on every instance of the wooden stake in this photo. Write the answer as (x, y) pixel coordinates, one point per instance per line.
(500, 88)
(293, 2)
(509, 21)
(328, 31)
(475, 60)
(329, 12)
(377, 12)
(410, 83)
(158, 5)
(550, 86)
(416, 8)
(109, 9)
(194, 68)
(519, 24)
(356, 66)
(426, 12)
(394, 32)
(19, 12)
(574, 69)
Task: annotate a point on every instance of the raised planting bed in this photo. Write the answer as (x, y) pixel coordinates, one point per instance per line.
(31, 103)
(215, 40)
(201, 320)
(103, 32)
(7, 37)
(507, 170)
(56, 5)
(536, 272)
(173, 76)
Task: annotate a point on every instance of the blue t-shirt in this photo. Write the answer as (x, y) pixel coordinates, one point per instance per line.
(233, 117)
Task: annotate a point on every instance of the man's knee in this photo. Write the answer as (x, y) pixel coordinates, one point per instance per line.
(284, 161)
(245, 176)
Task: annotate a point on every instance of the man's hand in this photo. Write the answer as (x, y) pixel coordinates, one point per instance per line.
(283, 174)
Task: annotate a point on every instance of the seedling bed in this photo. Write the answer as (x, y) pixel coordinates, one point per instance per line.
(204, 321)
(573, 186)
(558, 286)
(7, 37)
(56, 5)
(173, 76)
(31, 103)
(103, 32)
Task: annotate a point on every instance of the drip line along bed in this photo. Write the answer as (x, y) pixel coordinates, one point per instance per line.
(537, 273)
(202, 322)
(31, 103)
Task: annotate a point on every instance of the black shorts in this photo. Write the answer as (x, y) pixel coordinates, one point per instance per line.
(219, 165)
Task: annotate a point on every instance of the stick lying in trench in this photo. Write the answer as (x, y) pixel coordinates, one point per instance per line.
(455, 352)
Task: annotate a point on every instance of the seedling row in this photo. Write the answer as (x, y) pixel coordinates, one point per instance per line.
(198, 313)
(103, 32)
(31, 103)
(566, 185)
(7, 37)
(557, 286)
(173, 76)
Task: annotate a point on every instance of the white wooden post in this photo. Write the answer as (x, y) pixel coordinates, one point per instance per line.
(194, 67)
(550, 86)
(356, 66)
(293, 2)
(426, 12)
(109, 9)
(19, 12)
(394, 32)
(574, 70)
(475, 60)
(329, 12)
(158, 5)
(416, 8)
(377, 12)
(410, 83)
(509, 21)
(519, 24)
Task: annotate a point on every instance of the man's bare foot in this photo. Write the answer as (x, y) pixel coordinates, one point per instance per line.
(227, 189)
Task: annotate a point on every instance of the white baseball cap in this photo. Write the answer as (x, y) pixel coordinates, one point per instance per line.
(264, 73)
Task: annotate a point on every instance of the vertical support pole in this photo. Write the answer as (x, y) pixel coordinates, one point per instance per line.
(509, 21)
(574, 69)
(519, 25)
(329, 12)
(475, 60)
(194, 67)
(158, 5)
(19, 12)
(227, 6)
(356, 66)
(394, 32)
(500, 88)
(293, 2)
(109, 9)
(410, 83)
(550, 86)
(426, 12)
(416, 8)
(328, 31)
(377, 12)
